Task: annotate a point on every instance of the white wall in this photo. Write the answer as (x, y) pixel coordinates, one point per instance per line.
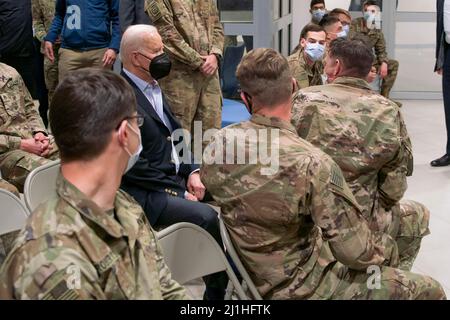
(300, 17)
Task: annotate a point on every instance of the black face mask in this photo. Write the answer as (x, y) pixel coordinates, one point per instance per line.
(160, 66)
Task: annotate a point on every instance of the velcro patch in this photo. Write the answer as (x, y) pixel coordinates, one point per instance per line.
(154, 11)
(61, 292)
(336, 178)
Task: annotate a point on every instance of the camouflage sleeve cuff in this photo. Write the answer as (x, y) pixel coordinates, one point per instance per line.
(14, 143)
(217, 51)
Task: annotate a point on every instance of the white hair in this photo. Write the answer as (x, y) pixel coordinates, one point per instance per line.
(133, 38)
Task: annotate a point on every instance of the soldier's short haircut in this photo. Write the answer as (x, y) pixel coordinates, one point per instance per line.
(311, 27)
(88, 105)
(314, 2)
(336, 12)
(264, 74)
(328, 20)
(355, 56)
(370, 3)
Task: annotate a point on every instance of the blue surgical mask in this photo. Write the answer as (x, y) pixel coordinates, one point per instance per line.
(369, 16)
(315, 51)
(347, 29)
(134, 157)
(317, 15)
(342, 34)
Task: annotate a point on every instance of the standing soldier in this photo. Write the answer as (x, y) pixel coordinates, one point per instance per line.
(43, 14)
(366, 136)
(194, 39)
(374, 37)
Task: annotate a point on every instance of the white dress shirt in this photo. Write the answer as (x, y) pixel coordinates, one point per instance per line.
(152, 91)
(447, 20)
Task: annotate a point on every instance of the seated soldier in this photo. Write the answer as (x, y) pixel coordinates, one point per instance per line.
(370, 29)
(306, 64)
(366, 136)
(295, 223)
(333, 27)
(90, 240)
(24, 142)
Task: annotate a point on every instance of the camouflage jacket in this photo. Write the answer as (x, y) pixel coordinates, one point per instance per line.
(290, 228)
(19, 117)
(43, 14)
(374, 38)
(305, 74)
(366, 135)
(72, 249)
(189, 29)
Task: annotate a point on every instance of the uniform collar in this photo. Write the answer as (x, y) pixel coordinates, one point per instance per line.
(308, 67)
(352, 82)
(124, 225)
(273, 122)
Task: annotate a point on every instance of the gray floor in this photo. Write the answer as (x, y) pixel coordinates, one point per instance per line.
(426, 126)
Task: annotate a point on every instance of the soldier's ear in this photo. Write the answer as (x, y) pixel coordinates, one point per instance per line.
(122, 133)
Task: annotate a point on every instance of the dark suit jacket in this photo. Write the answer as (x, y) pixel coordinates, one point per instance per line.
(441, 44)
(154, 175)
(132, 12)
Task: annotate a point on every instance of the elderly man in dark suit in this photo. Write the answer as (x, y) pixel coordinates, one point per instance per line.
(166, 184)
(443, 68)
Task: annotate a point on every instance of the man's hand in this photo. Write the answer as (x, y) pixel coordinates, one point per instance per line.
(45, 142)
(372, 75)
(383, 70)
(32, 146)
(190, 197)
(195, 186)
(48, 50)
(109, 58)
(440, 72)
(210, 66)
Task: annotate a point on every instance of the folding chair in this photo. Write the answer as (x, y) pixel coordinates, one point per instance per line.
(13, 213)
(237, 262)
(40, 184)
(191, 253)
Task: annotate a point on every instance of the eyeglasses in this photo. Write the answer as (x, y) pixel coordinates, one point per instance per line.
(139, 120)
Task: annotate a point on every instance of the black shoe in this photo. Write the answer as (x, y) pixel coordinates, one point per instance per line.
(442, 162)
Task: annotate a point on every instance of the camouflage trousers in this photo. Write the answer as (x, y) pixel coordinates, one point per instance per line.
(387, 283)
(407, 223)
(388, 82)
(16, 165)
(194, 97)
(51, 74)
(5, 185)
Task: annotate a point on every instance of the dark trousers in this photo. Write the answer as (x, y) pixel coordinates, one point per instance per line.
(25, 67)
(181, 210)
(446, 91)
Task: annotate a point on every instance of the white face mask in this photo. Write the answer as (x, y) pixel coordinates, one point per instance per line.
(133, 157)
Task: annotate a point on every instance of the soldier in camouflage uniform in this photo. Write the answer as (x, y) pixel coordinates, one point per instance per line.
(43, 13)
(366, 136)
(306, 64)
(374, 37)
(24, 142)
(193, 37)
(298, 229)
(90, 240)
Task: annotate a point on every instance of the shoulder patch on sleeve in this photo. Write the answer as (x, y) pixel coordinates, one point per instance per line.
(336, 178)
(153, 10)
